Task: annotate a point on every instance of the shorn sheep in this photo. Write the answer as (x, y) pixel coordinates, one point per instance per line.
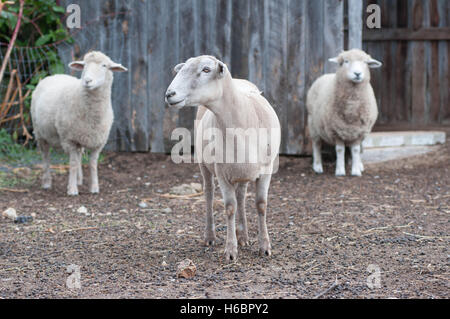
(236, 105)
(342, 109)
(75, 114)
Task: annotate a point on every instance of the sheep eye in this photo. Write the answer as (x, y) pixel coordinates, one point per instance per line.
(345, 61)
(206, 70)
(104, 65)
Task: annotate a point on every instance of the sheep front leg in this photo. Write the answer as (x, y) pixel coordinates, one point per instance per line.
(72, 188)
(262, 190)
(229, 198)
(93, 162)
(356, 160)
(317, 156)
(46, 176)
(208, 187)
(340, 159)
(241, 231)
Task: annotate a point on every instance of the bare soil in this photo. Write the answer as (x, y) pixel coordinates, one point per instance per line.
(323, 229)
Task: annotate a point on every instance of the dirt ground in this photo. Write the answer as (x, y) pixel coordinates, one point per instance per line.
(395, 219)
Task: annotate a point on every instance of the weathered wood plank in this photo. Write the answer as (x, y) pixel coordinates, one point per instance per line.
(275, 31)
(187, 11)
(419, 75)
(256, 44)
(355, 24)
(295, 107)
(406, 34)
(240, 36)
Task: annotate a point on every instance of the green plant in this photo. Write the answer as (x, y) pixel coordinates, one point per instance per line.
(42, 23)
(10, 151)
(41, 29)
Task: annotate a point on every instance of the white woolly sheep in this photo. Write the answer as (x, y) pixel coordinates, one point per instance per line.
(229, 104)
(75, 114)
(342, 109)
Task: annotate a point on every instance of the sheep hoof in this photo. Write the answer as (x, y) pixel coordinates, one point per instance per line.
(318, 169)
(361, 167)
(210, 242)
(46, 186)
(94, 190)
(356, 173)
(72, 193)
(231, 253)
(243, 242)
(242, 238)
(263, 252)
(340, 173)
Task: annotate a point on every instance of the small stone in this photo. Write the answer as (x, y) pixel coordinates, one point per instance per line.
(186, 269)
(147, 184)
(186, 189)
(164, 264)
(167, 210)
(10, 213)
(33, 215)
(23, 220)
(197, 187)
(143, 205)
(82, 210)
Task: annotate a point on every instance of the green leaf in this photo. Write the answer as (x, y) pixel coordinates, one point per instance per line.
(43, 39)
(59, 9)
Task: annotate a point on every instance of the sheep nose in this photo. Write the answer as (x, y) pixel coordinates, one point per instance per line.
(357, 74)
(87, 80)
(170, 93)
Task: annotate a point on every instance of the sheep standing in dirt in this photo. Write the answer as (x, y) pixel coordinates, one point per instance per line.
(342, 109)
(75, 114)
(229, 105)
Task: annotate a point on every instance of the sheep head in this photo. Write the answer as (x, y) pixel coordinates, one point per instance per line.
(97, 70)
(354, 65)
(198, 81)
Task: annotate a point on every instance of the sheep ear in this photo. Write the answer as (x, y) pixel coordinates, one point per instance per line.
(178, 67)
(334, 60)
(221, 69)
(374, 63)
(77, 65)
(116, 67)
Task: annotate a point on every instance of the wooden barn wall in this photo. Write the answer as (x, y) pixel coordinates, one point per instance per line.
(280, 45)
(413, 86)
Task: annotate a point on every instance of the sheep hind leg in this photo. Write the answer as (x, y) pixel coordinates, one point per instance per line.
(46, 176)
(208, 187)
(317, 156)
(262, 190)
(356, 160)
(230, 203)
(80, 169)
(241, 230)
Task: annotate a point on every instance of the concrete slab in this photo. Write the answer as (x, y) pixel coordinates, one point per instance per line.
(383, 154)
(406, 138)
